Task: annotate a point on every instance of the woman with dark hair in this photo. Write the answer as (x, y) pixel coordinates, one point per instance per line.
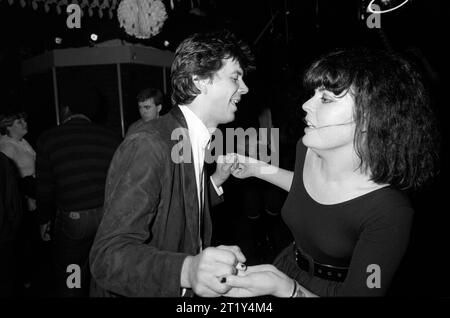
(370, 134)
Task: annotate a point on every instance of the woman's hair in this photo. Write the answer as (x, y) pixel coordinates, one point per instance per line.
(396, 136)
(202, 54)
(7, 120)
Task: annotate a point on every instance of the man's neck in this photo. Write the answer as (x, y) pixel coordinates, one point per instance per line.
(198, 108)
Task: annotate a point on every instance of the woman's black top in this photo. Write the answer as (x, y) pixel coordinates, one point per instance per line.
(370, 229)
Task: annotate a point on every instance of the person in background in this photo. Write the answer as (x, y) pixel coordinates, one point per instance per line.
(13, 128)
(150, 102)
(11, 213)
(72, 162)
(371, 134)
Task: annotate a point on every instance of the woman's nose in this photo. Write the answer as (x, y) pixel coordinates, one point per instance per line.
(308, 105)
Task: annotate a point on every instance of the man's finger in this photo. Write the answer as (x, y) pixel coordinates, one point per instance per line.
(227, 166)
(219, 269)
(210, 291)
(228, 158)
(221, 255)
(235, 163)
(241, 158)
(218, 285)
(235, 250)
(231, 157)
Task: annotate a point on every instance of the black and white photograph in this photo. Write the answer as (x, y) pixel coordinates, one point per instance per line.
(225, 154)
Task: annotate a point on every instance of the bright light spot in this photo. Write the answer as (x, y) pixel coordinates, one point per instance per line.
(94, 37)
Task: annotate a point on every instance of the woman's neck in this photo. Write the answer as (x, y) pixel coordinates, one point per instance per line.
(339, 166)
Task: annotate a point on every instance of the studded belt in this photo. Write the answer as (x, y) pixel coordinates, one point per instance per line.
(323, 271)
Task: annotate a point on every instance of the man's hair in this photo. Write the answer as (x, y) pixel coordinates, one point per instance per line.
(81, 99)
(396, 136)
(203, 54)
(152, 93)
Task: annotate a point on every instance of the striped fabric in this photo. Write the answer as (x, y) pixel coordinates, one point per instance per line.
(71, 166)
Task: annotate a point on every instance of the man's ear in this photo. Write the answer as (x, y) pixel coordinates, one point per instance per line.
(159, 107)
(200, 84)
(64, 112)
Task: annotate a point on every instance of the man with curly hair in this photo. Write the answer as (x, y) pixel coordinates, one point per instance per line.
(155, 234)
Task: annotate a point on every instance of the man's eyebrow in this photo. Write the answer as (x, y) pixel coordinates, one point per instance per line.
(238, 72)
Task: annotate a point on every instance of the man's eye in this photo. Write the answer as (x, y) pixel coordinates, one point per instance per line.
(326, 100)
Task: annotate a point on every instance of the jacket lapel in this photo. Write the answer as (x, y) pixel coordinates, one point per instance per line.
(188, 180)
(207, 222)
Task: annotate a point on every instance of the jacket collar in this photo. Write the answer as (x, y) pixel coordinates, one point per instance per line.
(179, 117)
(77, 117)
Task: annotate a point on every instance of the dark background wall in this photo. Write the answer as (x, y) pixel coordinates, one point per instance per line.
(37, 93)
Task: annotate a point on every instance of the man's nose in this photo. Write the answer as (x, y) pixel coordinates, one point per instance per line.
(243, 89)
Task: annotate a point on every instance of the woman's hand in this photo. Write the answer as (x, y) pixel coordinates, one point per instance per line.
(246, 167)
(260, 280)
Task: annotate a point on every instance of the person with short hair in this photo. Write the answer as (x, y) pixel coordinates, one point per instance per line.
(154, 237)
(150, 103)
(72, 163)
(13, 128)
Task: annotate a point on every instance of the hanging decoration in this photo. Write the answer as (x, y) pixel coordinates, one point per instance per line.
(142, 18)
(87, 6)
(100, 5)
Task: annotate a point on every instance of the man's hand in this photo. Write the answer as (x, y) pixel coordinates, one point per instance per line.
(225, 166)
(246, 167)
(44, 230)
(205, 273)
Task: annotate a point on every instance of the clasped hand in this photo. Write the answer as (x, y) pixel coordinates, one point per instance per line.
(206, 272)
(259, 280)
(239, 166)
(220, 271)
